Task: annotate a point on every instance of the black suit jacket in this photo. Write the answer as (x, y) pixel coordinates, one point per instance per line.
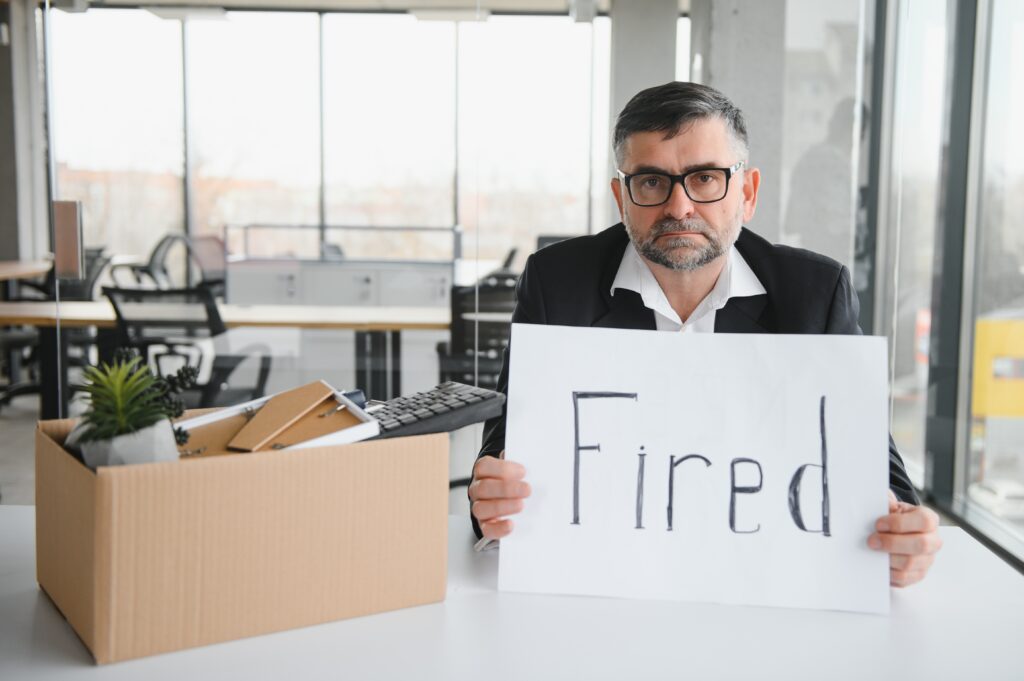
(569, 284)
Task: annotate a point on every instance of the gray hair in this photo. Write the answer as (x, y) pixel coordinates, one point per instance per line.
(671, 107)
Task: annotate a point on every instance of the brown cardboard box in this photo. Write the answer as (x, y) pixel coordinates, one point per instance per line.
(157, 557)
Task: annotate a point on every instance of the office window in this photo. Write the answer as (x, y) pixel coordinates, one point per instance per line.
(117, 125)
(995, 464)
(389, 133)
(253, 97)
(823, 129)
(912, 214)
(525, 131)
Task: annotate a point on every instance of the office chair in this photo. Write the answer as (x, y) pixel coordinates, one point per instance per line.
(209, 255)
(153, 273)
(170, 327)
(331, 251)
(476, 346)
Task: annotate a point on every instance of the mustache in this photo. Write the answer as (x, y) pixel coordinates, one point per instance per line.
(668, 226)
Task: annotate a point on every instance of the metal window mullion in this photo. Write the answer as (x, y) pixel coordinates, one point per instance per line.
(950, 271)
(322, 198)
(188, 191)
(972, 216)
(883, 140)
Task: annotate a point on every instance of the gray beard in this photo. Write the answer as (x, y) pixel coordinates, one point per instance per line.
(681, 253)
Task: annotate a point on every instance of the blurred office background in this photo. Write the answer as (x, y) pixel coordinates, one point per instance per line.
(405, 157)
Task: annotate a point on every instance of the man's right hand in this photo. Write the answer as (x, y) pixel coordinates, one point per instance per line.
(497, 491)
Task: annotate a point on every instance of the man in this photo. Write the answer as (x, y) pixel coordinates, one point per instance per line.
(680, 261)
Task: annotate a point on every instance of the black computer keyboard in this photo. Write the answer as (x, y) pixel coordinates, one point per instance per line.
(441, 409)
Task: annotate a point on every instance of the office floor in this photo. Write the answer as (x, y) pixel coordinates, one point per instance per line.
(17, 444)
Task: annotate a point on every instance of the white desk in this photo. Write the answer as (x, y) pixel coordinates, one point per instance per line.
(963, 622)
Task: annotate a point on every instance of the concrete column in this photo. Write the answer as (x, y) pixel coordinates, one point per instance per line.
(739, 48)
(23, 192)
(643, 47)
(643, 54)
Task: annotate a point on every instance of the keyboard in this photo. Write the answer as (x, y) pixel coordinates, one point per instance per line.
(441, 409)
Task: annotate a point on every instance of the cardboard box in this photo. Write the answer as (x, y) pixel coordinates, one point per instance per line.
(152, 558)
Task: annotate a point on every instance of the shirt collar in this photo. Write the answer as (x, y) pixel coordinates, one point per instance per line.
(737, 280)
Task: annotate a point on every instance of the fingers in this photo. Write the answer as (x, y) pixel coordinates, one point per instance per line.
(902, 578)
(496, 529)
(910, 544)
(490, 467)
(496, 508)
(894, 503)
(496, 488)
(906, 563)
(914, 519)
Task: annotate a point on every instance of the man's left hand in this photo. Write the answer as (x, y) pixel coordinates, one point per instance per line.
(910, 535)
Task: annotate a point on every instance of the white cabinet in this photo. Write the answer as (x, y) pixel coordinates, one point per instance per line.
(347, 283)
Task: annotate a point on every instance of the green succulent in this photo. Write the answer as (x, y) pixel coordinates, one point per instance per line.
(125, 397)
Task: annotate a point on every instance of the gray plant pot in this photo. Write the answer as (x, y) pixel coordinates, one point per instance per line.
(155, 443)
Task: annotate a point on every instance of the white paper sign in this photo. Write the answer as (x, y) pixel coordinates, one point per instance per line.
(695, 467)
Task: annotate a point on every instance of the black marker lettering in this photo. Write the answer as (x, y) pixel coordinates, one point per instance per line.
(742, 490)
(794, 484)
(672, 463)
(641, 455)
(576, 397)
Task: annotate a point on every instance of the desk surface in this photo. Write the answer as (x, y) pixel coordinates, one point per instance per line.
(100, 313)
(963, 622)
(23, 269)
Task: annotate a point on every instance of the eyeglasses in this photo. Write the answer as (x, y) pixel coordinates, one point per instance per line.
(703, 185)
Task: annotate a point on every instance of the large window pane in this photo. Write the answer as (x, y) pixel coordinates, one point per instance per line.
(117, 125)
(253, 88)
(389, 133)
(525, 103)
(915, 207)
(995, 474)
(822, 132)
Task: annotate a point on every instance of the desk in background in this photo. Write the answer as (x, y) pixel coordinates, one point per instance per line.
(12, 270)
(962, 622)
(378, 336)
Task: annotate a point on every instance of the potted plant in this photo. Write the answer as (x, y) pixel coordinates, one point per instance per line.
(129, 412)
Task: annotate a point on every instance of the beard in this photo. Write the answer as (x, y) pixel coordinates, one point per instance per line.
(684, 253)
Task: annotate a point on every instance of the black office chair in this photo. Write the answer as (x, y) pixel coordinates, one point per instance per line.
(168, 327)
(474, 353)
(152, 274)
(24, 342)
(209, 256)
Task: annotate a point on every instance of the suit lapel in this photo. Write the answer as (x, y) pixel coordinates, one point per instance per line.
(626, 311)
(742, 315)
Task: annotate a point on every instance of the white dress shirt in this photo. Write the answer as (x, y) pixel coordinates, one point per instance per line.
(737, 280)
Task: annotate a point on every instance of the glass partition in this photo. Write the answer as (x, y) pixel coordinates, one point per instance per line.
(994, 476)
(913, 206)
(117, 126)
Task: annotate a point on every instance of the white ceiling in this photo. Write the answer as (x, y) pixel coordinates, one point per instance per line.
(556, 6)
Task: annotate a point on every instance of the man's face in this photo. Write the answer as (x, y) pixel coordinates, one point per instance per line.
(680, 234)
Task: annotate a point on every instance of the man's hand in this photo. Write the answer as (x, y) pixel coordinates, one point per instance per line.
(909, 534)
(497, 490)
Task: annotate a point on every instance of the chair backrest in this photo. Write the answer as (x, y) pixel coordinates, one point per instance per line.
(87, 287)
(146, 316)
(331, 251)
(494, 294)
(157, 266)
(210, 256)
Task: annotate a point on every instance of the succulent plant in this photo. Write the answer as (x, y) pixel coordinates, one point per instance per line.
(125, 396)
